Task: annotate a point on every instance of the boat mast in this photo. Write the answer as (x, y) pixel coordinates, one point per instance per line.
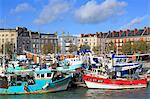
(4, 56)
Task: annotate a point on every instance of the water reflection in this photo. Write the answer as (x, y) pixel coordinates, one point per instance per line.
(117, 94)
(84, 93)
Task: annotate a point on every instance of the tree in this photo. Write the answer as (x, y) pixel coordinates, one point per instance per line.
(58, 49)
(48, 48)
(9, 49)
(110, 47)
(126, 48)
(142, 46)
(148, 47)
(96, 49)
(85, 47)
(136, 46)
(72, 48)
(139, 46)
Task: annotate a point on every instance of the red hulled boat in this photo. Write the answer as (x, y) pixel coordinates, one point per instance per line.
(106, 83)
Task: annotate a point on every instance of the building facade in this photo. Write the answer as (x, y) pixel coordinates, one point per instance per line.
(119, 38)
(35, 42)
(65, 41)
(39, 40)
(23, 40)
(89, 39)
(115, 38)
(8, 35)
(49, 40)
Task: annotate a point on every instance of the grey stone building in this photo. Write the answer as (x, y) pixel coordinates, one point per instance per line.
(65, 41)
(35, 42)
(38, 40)
(23, 40)
(49, 39)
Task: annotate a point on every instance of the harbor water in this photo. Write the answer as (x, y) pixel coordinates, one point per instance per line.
(84, 93)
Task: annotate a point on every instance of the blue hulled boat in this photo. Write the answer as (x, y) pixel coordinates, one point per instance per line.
(33, 81)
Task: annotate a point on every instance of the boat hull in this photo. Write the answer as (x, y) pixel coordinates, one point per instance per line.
(102, 83)
(69, 68)
(55, 86)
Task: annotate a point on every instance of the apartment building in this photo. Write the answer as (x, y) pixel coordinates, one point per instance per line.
(8, 35)
(23, 39)
(90, 39)
(115, 38)
(65, 42)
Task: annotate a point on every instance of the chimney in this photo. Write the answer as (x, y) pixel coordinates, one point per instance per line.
(82, 35)
(135, 31)
(96, 34)
(120, 33)
(127, 32)
(145, 29)
(113, 33)
(148, 29)
(109, 33)
(101, 34)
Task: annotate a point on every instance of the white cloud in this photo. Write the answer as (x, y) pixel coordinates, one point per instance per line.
(22, 8)
(92, 12)
(136, 21)
(133, 22)
(52, 11)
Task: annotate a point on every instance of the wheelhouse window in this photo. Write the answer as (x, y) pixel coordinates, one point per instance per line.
(19, 78)
(38, 75)
(48, 74)
(42, 75)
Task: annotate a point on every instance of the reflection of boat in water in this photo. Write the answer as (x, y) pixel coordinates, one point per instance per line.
(108, 76)
(112, 94)
(33, 82)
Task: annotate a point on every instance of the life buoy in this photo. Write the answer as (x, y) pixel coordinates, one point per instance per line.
(25, 88)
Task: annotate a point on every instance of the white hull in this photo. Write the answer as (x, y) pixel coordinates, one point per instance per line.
(112, 86)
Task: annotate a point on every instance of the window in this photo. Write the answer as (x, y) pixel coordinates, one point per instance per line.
(33, 45)
(42, 75)
(2, 34)
(48, 74)
(12, 39)
(6, 34)
(6, 39)
(19, 78)
(38, 75)
(12, 34)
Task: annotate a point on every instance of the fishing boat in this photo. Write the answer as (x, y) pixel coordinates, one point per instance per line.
(111, 76)
(123, 65)
(70, 64)
(33, 81)
(103, 82)
(147, 75)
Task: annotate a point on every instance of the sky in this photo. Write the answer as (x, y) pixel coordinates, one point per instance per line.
(75, 16)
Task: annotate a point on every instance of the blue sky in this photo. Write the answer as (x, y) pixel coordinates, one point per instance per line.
(75, 16)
